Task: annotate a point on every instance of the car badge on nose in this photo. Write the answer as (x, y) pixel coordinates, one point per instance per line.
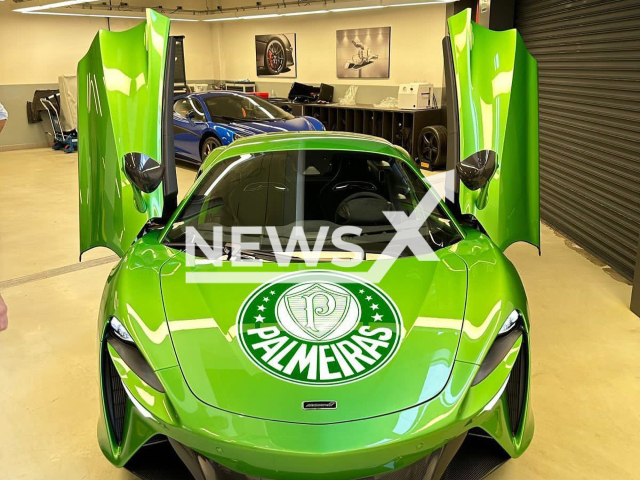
(320, 405)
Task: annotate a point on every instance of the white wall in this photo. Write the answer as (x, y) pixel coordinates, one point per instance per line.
(200, 49)
(39, 48)
(36, 49)
(416, 53)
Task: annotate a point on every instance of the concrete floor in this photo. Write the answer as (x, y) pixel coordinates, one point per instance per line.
(585, 341)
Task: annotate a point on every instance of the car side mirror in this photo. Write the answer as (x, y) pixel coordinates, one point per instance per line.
(143, 171)
(191, 115)
(476, 170)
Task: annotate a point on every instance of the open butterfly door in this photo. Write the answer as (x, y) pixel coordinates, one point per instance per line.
(493, 106)
(126, 164)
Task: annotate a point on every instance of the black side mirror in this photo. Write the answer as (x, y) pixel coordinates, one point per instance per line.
(191, 115)
(476, 170)
(143, 171)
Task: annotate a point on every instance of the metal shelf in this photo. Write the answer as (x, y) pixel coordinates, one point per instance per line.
(401, 127)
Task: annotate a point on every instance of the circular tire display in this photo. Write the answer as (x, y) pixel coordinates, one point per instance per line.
(209, 144)
(275, 57)
(432, 147)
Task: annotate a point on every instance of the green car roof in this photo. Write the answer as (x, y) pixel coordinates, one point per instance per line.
(307, 139)
(319, 140)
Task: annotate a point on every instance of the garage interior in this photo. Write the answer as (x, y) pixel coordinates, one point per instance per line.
(581, 289)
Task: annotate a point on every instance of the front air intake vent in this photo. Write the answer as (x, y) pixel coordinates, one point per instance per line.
(157, 460)
(114, 396)
(517, 388)
(478, 457)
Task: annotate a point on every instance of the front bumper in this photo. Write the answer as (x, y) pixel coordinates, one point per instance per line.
(369, 448)
(471, 456)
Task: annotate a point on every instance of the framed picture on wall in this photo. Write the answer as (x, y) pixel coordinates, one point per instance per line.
(276, 55)
(363, 52)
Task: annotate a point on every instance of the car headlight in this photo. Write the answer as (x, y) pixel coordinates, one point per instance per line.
(509, 323)
(122, 342)
(512, 329)
(120, 330)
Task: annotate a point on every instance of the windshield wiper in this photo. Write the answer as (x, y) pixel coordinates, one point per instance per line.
(256, 254)
(374, 232)
(228, 119)
(226, 253)
(255, 119)
(245, 119)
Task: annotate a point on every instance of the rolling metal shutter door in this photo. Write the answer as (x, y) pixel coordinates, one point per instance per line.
(588, 54)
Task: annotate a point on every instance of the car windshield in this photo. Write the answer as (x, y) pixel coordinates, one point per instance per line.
(311, 189)
(237, 107)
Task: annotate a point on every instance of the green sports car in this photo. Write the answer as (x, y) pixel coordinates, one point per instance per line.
(311, 309)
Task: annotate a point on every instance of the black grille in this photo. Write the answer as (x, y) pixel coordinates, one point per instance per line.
(420, 470)
(157, 460)
(517, 388)
(428, 468)
(478, 456)
(114, 396)
(468, 457)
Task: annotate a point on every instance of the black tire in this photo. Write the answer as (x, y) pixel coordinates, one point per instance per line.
(208, 145)
(432, 146)
(275, 56)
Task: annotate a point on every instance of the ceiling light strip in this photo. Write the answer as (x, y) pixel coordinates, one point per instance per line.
(105, 15)
(48, 6)
(312, 12)
(331, 10)
(414, 4)
(38, 9)
(353, 9)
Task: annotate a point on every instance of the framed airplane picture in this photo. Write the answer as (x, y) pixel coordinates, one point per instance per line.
(363, 52)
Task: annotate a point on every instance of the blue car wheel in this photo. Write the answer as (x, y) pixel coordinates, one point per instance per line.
(208, 145)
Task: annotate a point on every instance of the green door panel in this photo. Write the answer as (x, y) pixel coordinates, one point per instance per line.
(430, 297)
(497, 91)
(120, 97)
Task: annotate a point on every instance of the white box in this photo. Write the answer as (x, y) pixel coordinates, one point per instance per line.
(415, 96)
(244, 87)
(199, 87)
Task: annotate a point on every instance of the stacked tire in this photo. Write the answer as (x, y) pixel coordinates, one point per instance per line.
(432, 147)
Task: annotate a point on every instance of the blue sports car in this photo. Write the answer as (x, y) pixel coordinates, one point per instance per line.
(204, 121)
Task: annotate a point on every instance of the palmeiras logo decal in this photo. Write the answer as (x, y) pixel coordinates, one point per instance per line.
(319, 328)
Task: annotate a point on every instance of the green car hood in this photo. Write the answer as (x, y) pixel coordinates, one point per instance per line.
(430, 298)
